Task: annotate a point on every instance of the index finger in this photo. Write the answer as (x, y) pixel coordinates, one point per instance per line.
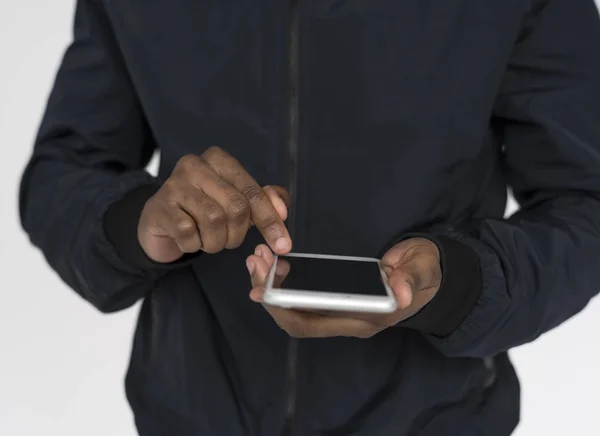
(263, 214)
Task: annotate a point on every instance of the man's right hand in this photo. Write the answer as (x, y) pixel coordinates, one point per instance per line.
(208, 203)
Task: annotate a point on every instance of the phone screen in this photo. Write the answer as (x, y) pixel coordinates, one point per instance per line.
(333, 276)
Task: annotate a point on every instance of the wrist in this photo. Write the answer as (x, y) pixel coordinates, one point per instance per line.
(121, 223)
(460, 287)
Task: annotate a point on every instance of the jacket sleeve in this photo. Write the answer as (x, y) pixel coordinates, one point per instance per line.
(507, 281)
(90, 153)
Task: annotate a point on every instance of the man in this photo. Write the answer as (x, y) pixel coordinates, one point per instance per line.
(390, 128)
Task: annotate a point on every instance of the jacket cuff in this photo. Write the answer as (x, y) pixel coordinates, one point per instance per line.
(121, 224)
(121, 229)
(459, 291)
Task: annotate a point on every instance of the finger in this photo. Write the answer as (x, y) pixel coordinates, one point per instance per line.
(281, 193)
(382, 320)
(262, 212)
(260, 265)
(203, 178)
(275, 194)
(282, 267)
(402, 284)
(179, 227)
(258, 270)
(282, 270)
(265, 252)
(210, 218)
(309, 325)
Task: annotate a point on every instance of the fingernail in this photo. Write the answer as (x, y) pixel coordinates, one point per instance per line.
(258, 252)
(387, 270)
(282, 245)
(250, 266)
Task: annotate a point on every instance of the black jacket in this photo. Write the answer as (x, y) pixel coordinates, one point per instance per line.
(384, 117)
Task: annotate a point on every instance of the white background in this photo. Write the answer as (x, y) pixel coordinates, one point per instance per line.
(62, 363)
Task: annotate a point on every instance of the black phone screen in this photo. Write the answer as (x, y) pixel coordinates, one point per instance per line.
(333, 276)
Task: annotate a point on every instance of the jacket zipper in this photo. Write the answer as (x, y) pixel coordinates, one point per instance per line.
(292, 154)
(291, 388)
(292, 139)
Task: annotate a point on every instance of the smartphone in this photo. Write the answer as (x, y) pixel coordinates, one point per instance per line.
(329, 283)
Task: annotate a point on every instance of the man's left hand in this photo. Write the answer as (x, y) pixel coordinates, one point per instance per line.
(414, 274)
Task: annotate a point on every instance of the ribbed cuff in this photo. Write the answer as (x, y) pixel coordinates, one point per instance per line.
(460, 288)
(121, 226)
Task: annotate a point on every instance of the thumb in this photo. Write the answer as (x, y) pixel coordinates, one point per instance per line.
(403, 284)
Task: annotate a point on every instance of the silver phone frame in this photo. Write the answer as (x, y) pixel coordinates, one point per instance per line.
(327, 301)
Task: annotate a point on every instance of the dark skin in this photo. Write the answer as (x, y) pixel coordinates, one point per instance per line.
(414, 274)
(210, 202)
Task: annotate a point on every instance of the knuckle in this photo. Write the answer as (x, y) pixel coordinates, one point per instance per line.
(254, 194)
(215, 216)
(213, 152)
(188, 197)
(187, 163)
(238, 208)
(185, 228)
